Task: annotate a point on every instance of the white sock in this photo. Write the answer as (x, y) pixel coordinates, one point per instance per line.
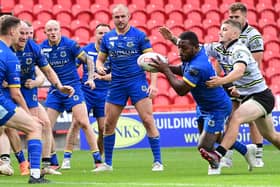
(35, 173)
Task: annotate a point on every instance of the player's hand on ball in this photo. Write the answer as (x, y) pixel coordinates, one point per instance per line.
(160, 65)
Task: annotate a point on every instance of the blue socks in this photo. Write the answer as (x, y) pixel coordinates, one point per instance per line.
(154, 143)
(67, 154)
(97, 157)
(20, 156)
(34, 151)
(109, 143)
(54, 160)
(241, 148)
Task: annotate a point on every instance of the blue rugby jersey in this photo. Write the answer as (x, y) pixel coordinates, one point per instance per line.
(9, 67)
(196, 73)
(62, 59)
(123, 51)
(29, 58)
(91, 50)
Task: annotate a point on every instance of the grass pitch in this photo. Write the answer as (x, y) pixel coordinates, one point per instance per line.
(183, 167)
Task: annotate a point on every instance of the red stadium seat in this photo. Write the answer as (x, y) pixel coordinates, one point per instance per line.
(172, 94)
(214, 15)
(66, 31)
(212, 3)
(140, 15)
(160, 3)
(102, 16)
(274, 63)
(125, 2)
(249, 3)
(66, 4)
(266, 11)
(278, 23)
(81, 30)
(85, 4)
(163, 85)
(26, 3)
(139, 25)
(8, 5)
(273, 45)
(153, 26)
(208, 22)
(140, 4)
(269, 14)
(277, 8)
(161, 48)
(80, 41)
(162, 99)
(196, 16)
(208, 7)
(275, 88)
(213, 31)
(173, 57)
(177, 15)
(156, 13)
(133, 7)
(23, 12)
(199, 32)
(63, 15)
(43, 14)
(252, 16)
(210, 38)
(81, 13)
(179, 3)
(172, 23)
(268, 55)
(98, 7)
(93, 23)
(188, 23)
(194, 4)
(183, 100)
(37, 24)
(265, 22)
(40, 35)
(267, 2)
(177, 29)
(42, 93)
(47, 4)
(224, 7)
(270, 29)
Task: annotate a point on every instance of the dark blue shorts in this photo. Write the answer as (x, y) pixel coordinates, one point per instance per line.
(120, 92)
(61, 102)
(7, 109)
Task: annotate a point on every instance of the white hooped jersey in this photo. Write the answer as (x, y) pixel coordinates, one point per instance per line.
(252, 38)
(252, 80)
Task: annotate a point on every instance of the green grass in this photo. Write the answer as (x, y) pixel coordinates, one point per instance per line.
(183, 167)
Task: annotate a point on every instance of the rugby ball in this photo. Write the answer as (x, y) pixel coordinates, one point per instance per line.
(145, 59)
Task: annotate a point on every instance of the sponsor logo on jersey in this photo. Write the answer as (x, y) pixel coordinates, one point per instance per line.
(63, 53)
(28, 61)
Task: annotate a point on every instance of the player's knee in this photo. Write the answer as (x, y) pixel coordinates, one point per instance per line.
(36, 128)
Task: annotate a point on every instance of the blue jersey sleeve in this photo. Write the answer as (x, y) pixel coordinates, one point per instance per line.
(192, 76)
(41, 60)
(103, 47)
(76, 49)
(13, 73)
(145, 43)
